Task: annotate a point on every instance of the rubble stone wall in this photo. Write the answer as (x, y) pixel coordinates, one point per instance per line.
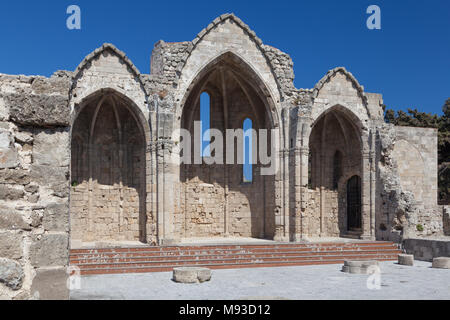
(34, 186)
(427, 249)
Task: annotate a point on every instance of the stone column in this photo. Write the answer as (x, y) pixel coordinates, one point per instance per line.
(373, 186)
(167, 176)
(281, 198)
(304, 161)
(366, 195)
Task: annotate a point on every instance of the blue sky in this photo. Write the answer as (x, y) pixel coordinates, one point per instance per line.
(408, 60)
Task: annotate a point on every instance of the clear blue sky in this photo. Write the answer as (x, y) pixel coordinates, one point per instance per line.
(408, 60)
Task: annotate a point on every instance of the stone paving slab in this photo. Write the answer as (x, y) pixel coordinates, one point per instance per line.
(298, 283)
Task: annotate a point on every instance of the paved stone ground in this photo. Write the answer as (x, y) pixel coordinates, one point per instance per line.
(307, 282)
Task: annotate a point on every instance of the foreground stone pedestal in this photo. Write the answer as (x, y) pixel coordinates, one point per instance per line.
(191, 275)
(441, 263)
(358, 267)
(406, 259)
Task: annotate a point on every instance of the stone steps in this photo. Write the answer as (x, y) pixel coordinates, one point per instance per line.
(221, 252)
(325, 245)
(127, 258)
(161, 259)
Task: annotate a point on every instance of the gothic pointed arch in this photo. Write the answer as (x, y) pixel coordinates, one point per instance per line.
(236, 93)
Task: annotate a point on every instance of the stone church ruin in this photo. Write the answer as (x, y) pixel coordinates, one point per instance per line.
(84, 157)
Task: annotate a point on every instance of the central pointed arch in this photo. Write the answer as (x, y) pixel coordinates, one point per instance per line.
(243, 72)
(216, 200)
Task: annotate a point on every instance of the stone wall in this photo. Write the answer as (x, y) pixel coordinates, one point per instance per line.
(415, 152)
(34, 186)
(321, 218)
(407, 183)
(427, 249)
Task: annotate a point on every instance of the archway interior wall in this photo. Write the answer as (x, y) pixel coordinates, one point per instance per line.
(333, 134)
(215, 200)
(108, 174)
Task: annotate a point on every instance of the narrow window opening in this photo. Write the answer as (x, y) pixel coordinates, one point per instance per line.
(248, 151)
(205, 122)
(310, 170)
(337, 168)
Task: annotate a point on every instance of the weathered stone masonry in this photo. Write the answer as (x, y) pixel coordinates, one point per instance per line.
(87, 157)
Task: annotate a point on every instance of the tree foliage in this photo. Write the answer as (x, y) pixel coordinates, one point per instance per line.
(414, 118)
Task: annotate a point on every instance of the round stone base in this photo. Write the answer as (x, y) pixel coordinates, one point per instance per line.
(406, 259)
(191, 275)
(358, 267)
(441, 263)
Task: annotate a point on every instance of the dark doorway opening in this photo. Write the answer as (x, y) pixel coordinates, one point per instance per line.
(354, 204)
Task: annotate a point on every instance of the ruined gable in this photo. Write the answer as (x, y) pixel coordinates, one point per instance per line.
(109, 68)
(339, 87)
(227, 33)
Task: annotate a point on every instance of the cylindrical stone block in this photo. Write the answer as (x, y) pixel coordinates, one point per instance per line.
(358, 267)
(406, 259)
(441, 263)
(191, 275)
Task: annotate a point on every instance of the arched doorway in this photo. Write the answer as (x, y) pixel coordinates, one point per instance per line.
(335, 156)
(108, 172)
(354, 204)
(221, 199)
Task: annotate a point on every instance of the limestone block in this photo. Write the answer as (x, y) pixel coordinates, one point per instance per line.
(191, 275)
(56, 217)
(50, 284)
(406, 259)
(4, 111)
(51, 148)
(8, 153)
(24, 137)
(10, 193)
(11, 220)
(11, 273)
(55, 177)
(358, 267)
(59, 83)
(49, 250)
(10, 245)
(10, 176)
(441, 263)
(38, 110)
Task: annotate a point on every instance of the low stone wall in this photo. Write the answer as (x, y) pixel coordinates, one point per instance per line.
(427, 249)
